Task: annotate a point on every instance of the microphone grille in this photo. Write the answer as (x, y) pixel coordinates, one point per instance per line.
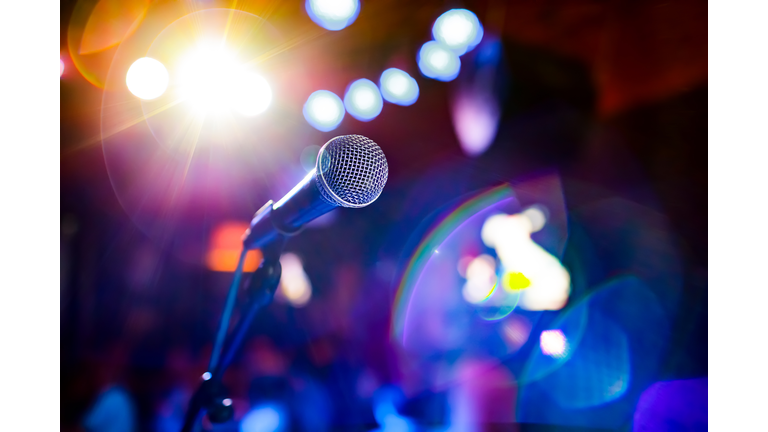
(352, 171)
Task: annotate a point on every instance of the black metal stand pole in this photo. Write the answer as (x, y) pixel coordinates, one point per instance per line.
(210, 395)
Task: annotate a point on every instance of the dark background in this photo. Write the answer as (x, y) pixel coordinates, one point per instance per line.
(609, 94)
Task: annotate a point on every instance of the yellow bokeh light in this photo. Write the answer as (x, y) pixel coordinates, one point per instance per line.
(147, 78)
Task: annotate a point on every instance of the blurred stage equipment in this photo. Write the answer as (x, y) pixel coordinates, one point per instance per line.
(350, 171)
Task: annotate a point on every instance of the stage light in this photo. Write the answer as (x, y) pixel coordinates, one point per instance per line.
(295, 287)
(324, 110)
(398, 87)
(61, 67)
(438, 62)
(459, 30)
(553, 343)
(333, 14)
(254, 94)
(147, 78)
(363, 100)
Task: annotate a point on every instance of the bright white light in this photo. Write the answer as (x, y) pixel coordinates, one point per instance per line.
(324, 110)
(264, 418)
(333, 14)
(398, 87)
(481, 279)
(147, 78)
(295, 287)
(536, 215)
(363, 100)
(254, 95)
(208, 78)
(438, 62)
(61, 67)
(459, 30)
(553, 343)
(510, 236)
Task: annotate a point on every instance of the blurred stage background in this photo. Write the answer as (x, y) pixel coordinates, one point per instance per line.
(537, 260)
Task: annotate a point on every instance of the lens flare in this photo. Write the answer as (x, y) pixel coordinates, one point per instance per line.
(214, 81)
(147, 78)
(333, 14)
(481, 279)
(459, 30)
(363, 100)
(438, 62)
(398, 87)
(324, 110)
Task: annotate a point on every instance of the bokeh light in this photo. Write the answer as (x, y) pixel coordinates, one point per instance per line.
(333, 14)
(398, 87)
(459, 30)
(438, 62)
(324, 110)
(363, 100)
(516, 330)
(61, 67)
(308, 157)
(553, 343)
(147, 78)
(542, 280)
(225, 245)
(264, 418)
(475, 116)
(294, 287)
(481, 279)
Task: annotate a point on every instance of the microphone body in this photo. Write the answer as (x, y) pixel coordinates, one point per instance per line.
(350, 171)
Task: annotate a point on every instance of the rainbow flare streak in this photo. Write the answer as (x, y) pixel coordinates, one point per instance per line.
(438, 233)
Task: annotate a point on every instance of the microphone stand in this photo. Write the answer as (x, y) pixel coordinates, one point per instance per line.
(211, 396)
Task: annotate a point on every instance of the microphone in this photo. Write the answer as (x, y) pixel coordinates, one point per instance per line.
(350, 171)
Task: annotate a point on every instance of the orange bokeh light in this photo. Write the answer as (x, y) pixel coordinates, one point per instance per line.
(225, 246)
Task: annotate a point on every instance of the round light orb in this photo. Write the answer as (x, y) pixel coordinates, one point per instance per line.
(324, 110)
(147, 78)
(398, 87)
(438, 62)
(363, 100)
(254, 95)
(459, 30)
(210, 78)
(61, 67)
(333, 14)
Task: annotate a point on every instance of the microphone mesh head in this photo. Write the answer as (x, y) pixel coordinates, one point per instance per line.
(351, 171)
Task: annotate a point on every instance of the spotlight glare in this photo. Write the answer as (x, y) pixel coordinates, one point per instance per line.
(61, 67)
(363, 100)
(459, 30)
(553, 343)
(254, 95)
(324, 110)
(398, 87)
(208, 79)
(333, 14)
(147, 78)
(438, 62)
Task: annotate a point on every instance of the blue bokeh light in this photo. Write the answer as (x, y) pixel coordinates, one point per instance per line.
(363, 100)
(398, 87)
(324, 110)
(263, 418)
(438, 62)
(333, 14)
(459, 30)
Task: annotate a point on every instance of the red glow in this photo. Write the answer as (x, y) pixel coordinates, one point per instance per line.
(225, 246)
